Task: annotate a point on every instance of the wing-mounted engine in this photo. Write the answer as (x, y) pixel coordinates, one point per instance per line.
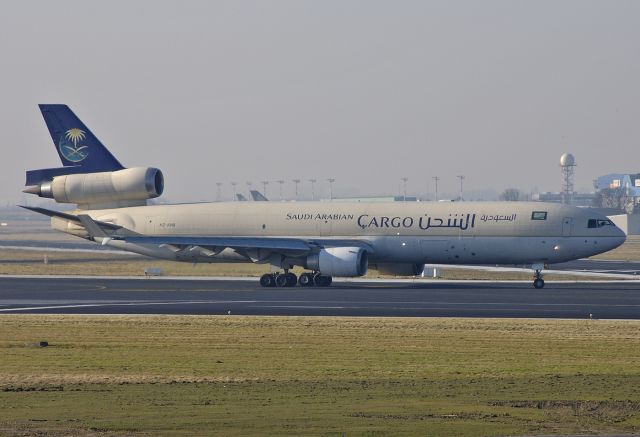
(339, 261)
(400, 269)
(128, 187)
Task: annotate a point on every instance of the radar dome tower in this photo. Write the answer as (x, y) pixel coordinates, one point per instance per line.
(567, 164)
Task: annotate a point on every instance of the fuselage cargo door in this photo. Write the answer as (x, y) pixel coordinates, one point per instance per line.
(566, 226)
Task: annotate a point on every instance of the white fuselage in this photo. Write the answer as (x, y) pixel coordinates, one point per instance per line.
(394, 232)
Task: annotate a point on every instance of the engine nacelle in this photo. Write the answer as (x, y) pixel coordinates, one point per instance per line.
(398, 269)
(130, 184)
(340, 261)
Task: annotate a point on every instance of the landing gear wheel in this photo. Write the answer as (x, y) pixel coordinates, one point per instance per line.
(282, 280)
(538, 282)
(306, 280)
(292, 279)
(322, 280)
(267, 280)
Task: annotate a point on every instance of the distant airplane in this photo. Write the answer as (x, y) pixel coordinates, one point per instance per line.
(326, 238)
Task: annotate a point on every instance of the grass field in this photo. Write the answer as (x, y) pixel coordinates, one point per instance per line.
(237, 376)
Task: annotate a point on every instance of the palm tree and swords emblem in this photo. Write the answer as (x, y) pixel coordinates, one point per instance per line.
(69, 146)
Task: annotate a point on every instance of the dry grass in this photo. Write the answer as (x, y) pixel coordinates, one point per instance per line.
(317, 376)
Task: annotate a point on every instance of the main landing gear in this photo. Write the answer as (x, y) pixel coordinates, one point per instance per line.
(287, 279)
(278, 280)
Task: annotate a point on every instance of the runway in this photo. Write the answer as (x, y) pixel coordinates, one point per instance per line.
(579, 300)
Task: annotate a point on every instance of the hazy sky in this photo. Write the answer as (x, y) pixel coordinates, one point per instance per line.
(363, 91)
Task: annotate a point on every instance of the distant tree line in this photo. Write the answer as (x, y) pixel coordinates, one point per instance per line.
(615, 198)
(511, 195)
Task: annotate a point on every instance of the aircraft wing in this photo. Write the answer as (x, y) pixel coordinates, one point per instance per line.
(255, 247)
(270, 243)
(283, 245)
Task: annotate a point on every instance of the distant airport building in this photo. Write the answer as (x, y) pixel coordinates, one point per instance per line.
(576, 199)
(619, 190)
(618, 180)
(377, 199)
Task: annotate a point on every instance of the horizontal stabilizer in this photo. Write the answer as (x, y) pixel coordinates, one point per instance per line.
(37, 177)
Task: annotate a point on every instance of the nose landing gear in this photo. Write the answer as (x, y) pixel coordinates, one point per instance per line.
(538, 282)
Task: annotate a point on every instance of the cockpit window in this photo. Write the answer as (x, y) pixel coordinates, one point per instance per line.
(539, 215)
(598, 223)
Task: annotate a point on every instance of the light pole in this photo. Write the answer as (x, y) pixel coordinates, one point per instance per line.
(404, 186)
(281, 182)
(461, 177)
(219, 185)
(233, 184)
(436, 178)
(313, 189)
(331, 181)
(296, 181)
(264, 188)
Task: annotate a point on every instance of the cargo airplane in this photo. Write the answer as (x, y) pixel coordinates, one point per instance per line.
(327, 239)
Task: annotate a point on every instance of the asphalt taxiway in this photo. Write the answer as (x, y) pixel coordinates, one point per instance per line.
(425, 298)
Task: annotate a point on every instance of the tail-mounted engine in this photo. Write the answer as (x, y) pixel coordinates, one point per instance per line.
(130, 186)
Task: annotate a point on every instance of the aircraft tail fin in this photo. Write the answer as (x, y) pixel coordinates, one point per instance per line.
(257, 196)
(78, 148)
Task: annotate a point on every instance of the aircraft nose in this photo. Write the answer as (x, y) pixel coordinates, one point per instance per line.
(620, 236)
